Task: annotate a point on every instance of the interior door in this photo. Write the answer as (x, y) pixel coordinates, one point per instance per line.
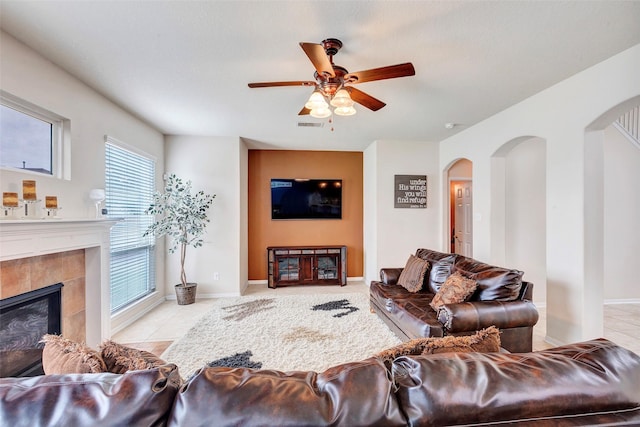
(463, 218)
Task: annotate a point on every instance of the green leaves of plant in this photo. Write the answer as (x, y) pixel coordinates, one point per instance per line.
(184, 215)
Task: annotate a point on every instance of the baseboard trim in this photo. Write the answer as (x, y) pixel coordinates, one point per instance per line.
(554, 342)
(209, 296)
(131, 314)
(622, 301)
(543, 304)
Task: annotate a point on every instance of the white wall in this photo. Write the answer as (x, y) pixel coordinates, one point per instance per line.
(525, 216)
(27, 75)
(621, 213)
(370, 212)
(216, 165)
(559, 115)
(392, 234)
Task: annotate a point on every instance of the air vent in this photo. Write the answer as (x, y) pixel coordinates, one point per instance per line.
(311, 124)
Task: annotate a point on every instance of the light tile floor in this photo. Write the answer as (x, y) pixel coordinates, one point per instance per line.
(169, 321)
(621, 325)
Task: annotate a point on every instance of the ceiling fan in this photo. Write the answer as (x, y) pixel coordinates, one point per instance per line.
(333, 82)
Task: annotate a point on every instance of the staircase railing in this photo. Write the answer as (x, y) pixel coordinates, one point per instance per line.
(629, 125)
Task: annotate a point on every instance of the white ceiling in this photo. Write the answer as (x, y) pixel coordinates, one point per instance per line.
(183, 66)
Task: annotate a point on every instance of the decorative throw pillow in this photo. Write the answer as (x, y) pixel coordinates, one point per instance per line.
(63, 356)
(120, 358)
(455, 289)
(484, 341)
(440, 270)
(412, 276)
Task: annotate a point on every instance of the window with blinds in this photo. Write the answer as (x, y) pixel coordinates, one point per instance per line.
(129, 187)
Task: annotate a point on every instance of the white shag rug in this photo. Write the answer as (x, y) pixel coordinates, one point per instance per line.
(285, 333)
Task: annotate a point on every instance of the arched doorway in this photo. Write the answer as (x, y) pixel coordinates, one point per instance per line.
(612, 206)
(519, 209)
(460, 191)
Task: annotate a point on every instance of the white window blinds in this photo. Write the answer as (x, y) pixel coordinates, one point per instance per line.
(129, 187)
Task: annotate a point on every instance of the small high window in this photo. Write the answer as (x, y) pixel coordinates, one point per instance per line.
(31, 138)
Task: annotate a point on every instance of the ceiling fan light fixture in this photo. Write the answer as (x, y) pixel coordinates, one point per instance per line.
(345, 111)
(342, 99)
(330, 92)
(316, 101)
(320, 113)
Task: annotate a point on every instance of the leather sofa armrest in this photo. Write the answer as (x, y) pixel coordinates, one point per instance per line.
(390, 276)
(475, 315)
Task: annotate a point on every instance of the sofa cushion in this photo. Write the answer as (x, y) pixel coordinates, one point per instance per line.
(351, 394)
(119, 358)
(476, 388)
(140, 398)
(455, 289)
(413, 274)
(494, 283)
(63, 356)
(432, 256)
(484, 341)
(407, 311)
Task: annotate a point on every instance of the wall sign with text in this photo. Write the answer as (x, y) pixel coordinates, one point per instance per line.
(410, 191)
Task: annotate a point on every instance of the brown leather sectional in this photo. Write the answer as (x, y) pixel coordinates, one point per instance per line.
(502, 299)
(590, 383)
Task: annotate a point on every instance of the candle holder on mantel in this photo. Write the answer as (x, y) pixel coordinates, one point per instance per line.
(30, 208)
(10, 203)
(51, 212)
(8, 212)
(51, 206)
(29, 198)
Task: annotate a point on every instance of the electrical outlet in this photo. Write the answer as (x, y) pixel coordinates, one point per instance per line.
(216, 276)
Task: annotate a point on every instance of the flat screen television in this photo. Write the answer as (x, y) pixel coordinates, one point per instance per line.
(306, 198)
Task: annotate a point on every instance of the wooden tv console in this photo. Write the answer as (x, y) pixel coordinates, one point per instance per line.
(306, 265)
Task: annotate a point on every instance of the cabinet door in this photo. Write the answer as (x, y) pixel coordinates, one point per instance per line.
(327, 267)
(306, 268)
(288, 269)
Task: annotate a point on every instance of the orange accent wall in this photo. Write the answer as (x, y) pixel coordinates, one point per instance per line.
(263, 231)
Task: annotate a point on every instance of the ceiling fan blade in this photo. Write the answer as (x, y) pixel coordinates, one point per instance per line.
(364, 99)
(318, 58)
(305, 111)
(274, 84)
(382, 73)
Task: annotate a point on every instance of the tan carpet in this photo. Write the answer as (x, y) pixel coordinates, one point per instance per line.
(285, 333)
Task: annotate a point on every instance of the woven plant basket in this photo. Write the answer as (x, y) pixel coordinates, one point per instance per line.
(186, 294)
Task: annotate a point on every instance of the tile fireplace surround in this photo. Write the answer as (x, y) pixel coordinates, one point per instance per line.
(38, 253)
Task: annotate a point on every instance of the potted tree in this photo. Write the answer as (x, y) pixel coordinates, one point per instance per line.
(183, 217)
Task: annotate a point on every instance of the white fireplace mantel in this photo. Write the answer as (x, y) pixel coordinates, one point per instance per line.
(29, 238)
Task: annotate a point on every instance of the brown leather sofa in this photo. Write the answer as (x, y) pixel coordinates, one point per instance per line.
(590, 383)
(502, 299)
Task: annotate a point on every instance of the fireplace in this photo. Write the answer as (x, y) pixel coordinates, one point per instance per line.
(37, 253)
(24, 320)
